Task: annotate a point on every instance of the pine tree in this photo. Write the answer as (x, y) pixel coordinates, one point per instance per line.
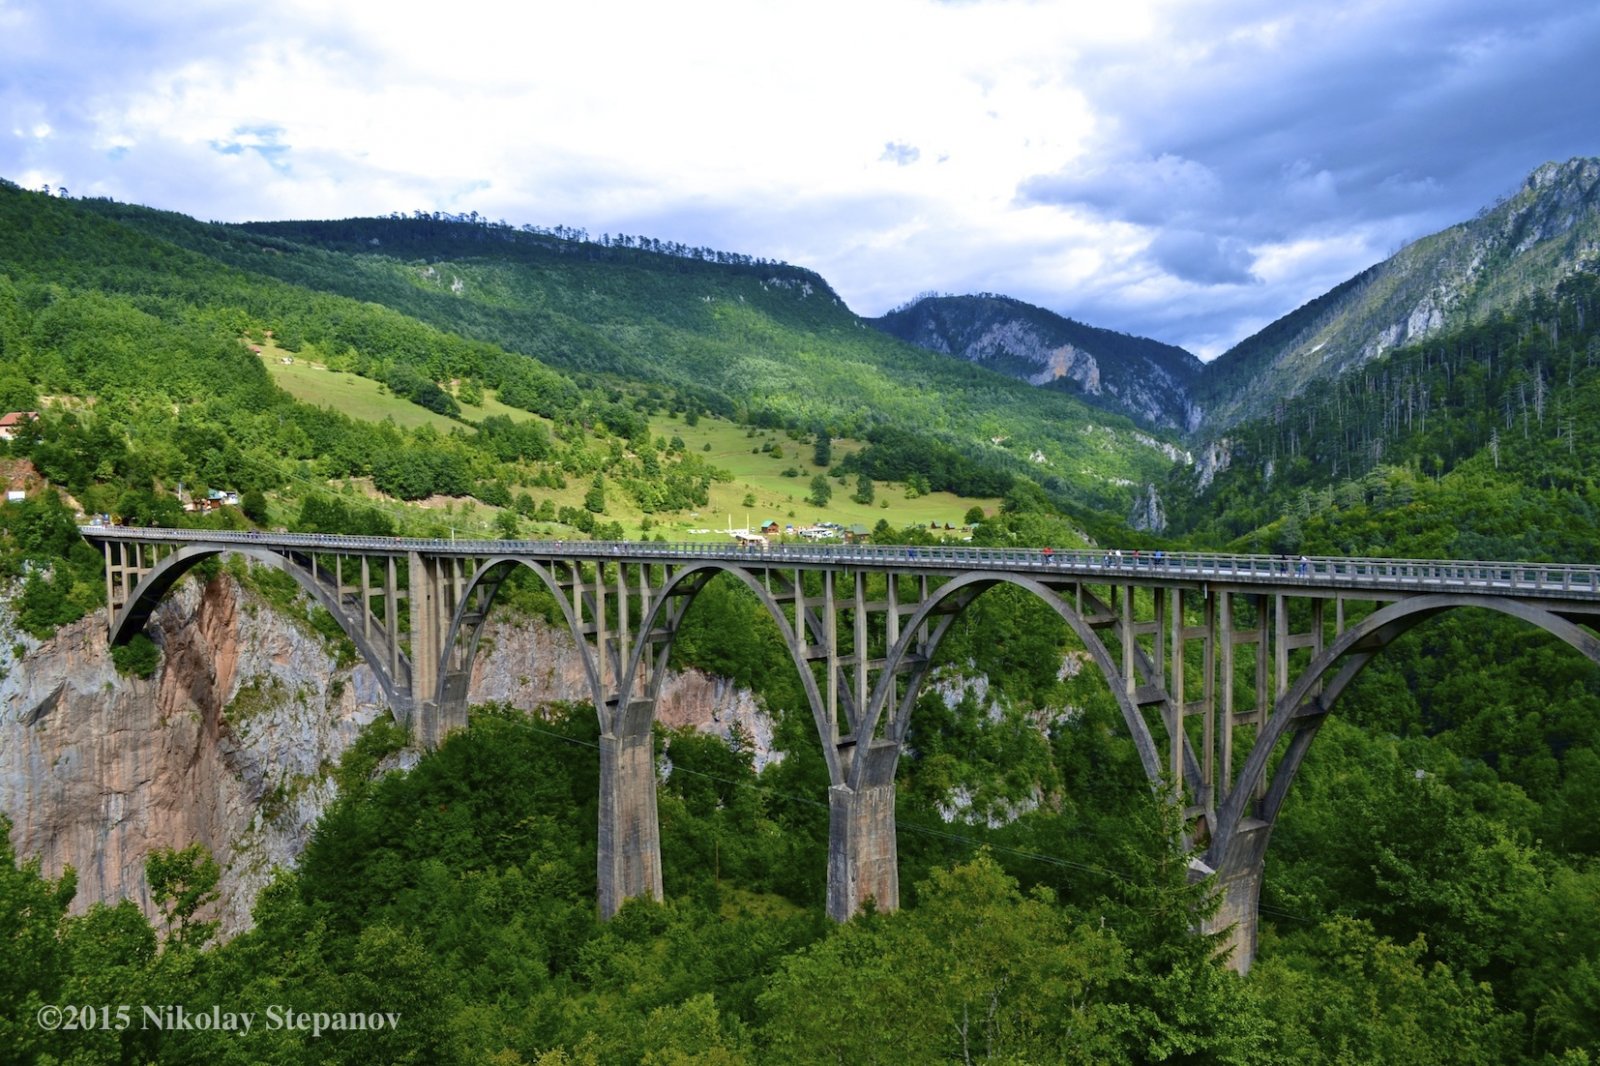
(822, 455)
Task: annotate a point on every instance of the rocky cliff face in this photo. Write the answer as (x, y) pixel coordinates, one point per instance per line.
(1144, 379)
(231, 742)
(1213, 458)
(1148, 514)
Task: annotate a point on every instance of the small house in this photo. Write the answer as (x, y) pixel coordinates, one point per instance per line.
(11, 423)
(856, 533)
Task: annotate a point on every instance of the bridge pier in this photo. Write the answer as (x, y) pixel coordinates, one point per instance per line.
(862, 861)
(630, 834)
(433, 721)
(1237, 879)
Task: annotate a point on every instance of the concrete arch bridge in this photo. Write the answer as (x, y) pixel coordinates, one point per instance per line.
(1223, 666)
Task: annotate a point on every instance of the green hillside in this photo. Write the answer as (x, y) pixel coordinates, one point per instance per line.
(1481, 443)
(761, 344)
(136, 350)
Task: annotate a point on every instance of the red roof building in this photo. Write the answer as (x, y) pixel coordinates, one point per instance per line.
(12, 421)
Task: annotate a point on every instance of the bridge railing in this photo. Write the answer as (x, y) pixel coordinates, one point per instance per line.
(1579, 579)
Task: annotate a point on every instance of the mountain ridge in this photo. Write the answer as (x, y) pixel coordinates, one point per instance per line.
(1525, 243)
(1529, 242)
(611, 336)
(1145, 379)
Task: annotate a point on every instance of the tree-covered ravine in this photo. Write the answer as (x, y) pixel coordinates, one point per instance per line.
(1430, 896)
(1432, 889)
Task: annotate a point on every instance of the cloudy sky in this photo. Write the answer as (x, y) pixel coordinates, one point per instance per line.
(1183, 170)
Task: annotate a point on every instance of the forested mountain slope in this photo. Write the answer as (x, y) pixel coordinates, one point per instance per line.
(759, 342)
(1145, 379)
(130, 332)
(1525, 245)
(1483, 442)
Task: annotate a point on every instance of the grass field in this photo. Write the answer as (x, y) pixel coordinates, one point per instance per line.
(361, 398)
(310, 382)
(760, 474)
(757, 475)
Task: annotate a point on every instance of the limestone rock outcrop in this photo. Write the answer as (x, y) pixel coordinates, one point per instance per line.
(232, 742)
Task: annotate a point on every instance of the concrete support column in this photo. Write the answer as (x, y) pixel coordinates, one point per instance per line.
(426, 599)
(1237, 878)
(436, 721)
(862, 861)
(630, 835)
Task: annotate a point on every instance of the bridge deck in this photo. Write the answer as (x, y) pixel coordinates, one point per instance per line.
(1566, 581)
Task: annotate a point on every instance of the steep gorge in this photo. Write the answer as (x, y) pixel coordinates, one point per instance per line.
(232, 742)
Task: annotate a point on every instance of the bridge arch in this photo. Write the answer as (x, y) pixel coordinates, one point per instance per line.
(1350, 654)
(135, 614)
(629, 854)
(465, 631)
(693, 578)
(949, 601)
(1236, 852)
(668, 604)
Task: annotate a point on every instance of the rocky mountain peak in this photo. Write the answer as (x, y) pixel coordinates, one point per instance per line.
(1144, 379)
(1526, 243)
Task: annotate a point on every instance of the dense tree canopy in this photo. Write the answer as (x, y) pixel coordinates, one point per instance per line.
(1431, 889)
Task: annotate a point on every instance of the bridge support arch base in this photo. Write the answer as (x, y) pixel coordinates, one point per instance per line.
(1238, 881)
(630, 833)
(433, 721)
(862, 862)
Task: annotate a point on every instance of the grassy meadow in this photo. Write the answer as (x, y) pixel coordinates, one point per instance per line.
(758, 475)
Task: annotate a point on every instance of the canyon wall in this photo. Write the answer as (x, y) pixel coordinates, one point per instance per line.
(232, 742)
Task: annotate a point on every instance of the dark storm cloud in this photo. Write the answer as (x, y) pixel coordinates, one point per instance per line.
(1203, 258)
(1149, 192)
(1371, 123)
(1343, 115)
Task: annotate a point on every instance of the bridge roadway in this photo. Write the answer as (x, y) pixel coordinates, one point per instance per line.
(1223, 666)
(1343, 572)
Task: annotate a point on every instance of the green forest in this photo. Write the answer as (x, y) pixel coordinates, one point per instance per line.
(1431, 889)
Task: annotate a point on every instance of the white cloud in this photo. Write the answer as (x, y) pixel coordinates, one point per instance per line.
(1179, 170)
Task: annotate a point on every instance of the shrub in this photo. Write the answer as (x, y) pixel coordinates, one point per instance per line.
(137, 658)
(254, 505)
